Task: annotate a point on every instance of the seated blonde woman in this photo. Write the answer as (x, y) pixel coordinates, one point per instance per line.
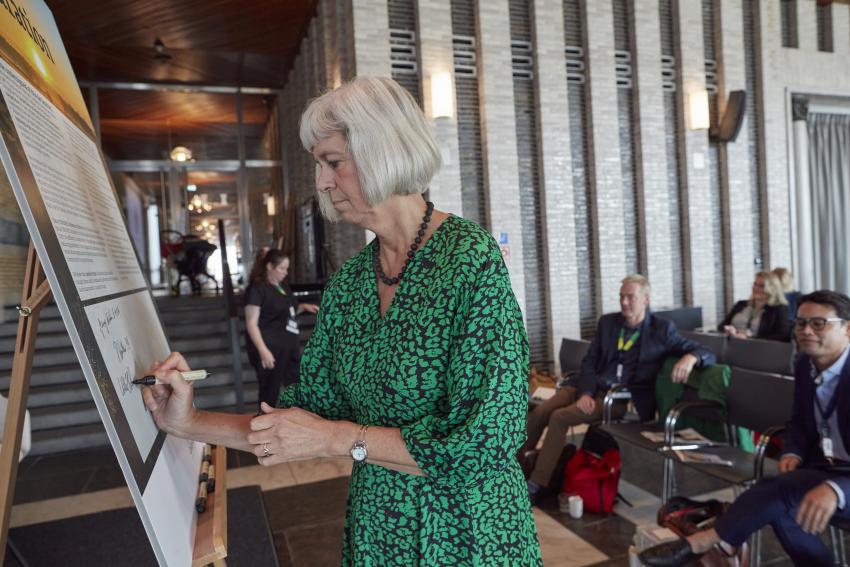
(786, 278)
(763, 316)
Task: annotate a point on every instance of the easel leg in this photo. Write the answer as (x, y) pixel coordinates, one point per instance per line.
(34, 296)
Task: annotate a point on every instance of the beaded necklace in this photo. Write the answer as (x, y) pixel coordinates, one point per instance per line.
(376, 256)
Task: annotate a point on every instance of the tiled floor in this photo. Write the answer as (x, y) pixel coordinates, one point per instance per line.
(305, 503)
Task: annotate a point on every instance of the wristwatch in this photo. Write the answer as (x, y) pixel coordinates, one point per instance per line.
(358, 450)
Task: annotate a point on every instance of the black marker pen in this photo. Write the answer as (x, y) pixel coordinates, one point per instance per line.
(189, 376)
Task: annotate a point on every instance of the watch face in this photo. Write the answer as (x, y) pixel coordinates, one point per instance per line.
(358, 453)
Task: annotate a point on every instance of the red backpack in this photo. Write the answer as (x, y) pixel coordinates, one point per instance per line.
(594, 477)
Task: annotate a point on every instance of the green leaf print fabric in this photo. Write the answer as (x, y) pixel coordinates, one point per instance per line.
(448, 365)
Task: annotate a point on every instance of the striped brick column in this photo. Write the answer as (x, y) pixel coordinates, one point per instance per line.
(736, 184)
(436, 56)
(557, 198)
(605, 172)
(371, 37)
(650, 152)
(699, 250)
(498, 134)
(777, 215)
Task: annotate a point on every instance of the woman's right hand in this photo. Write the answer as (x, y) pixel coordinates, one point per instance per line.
(730, 331)
(266, 359)
(170, 401)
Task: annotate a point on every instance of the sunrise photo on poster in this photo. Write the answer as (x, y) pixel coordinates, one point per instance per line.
(30, 43)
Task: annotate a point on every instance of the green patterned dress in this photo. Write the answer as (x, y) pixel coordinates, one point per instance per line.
(447, 364)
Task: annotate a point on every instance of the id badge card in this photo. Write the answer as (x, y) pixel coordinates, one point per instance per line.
(826, 442)
(292, 324)
(826, 447)
(619, 372)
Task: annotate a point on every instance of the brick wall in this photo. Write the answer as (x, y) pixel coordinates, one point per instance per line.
(705, 215)
(788, 70)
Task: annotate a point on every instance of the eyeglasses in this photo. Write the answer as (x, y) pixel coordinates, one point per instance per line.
(817, 323)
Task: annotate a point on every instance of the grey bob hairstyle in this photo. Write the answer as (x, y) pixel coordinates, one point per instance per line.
(386, 133)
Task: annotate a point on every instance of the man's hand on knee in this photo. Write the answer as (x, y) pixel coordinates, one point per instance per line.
(816, 508)
(682, 369)
(586, 404)
(788, 463)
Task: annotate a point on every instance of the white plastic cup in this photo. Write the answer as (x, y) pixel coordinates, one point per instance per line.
(576, 505)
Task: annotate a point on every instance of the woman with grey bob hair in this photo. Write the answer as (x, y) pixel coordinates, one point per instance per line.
(417, 367)
(386, 134)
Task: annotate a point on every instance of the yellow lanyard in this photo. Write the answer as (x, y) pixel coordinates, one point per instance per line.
(631, 342)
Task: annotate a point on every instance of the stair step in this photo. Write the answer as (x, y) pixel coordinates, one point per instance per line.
(94, 435)
(10, 328)
(186, 339)
(68, 439)
(65, 355)
(85, 412)
(50, 376)
(218, 362)
(64, 416)
(178, 327)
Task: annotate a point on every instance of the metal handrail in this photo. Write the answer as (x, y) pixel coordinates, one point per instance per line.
(232, 320)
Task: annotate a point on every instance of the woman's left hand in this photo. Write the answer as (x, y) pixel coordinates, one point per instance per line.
(309, 307)
(281, 435)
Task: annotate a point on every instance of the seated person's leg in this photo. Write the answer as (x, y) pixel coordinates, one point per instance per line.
(538, 418)
(775, 501)
(559, 422)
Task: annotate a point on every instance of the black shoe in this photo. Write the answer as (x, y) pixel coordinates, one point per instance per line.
(670, 554)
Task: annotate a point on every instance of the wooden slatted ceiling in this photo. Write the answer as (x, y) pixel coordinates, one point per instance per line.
(146, 124)
(175, 106)
(221, 42)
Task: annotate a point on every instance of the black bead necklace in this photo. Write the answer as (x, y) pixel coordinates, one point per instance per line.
(376, 255)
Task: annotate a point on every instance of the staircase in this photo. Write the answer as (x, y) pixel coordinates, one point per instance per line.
(62, 413)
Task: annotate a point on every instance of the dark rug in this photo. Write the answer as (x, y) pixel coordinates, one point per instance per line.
(117, 537)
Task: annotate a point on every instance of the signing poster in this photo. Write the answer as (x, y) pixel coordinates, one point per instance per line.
(54, 167)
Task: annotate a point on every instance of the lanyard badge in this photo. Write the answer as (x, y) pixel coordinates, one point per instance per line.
(824, 430)
(624, 346)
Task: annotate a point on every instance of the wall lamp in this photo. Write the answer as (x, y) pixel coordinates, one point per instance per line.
(698, 115)
(181, 154)
(442, 95)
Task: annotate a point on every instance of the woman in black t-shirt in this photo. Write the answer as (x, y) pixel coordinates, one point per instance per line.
(271, 326)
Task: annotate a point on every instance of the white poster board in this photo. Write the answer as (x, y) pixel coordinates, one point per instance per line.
(61, 182)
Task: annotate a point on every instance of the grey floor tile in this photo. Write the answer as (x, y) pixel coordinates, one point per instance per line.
(317, 545)
(306, 504)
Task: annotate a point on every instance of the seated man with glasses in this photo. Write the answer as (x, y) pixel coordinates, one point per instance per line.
(814, 480)
(629, 347)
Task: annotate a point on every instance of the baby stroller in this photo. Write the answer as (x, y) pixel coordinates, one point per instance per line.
(187, 254)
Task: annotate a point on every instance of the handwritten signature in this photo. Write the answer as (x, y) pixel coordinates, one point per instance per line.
(105, 320)
(125, 382)
(121, 347)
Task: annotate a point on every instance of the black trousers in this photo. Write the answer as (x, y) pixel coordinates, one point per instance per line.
(287, 355)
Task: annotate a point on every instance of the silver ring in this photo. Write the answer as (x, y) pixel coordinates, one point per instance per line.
(266, 452)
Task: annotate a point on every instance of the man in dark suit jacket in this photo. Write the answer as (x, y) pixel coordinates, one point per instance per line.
(814, 482)
(629, 348)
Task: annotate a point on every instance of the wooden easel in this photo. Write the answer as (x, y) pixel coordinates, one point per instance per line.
(211, 531)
